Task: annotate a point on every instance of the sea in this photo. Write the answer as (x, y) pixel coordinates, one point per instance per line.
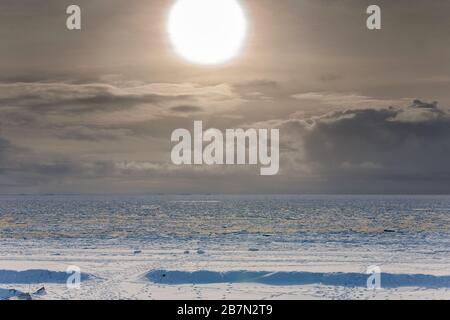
(287, 217)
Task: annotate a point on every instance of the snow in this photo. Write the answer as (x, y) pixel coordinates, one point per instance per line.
(35, 276)
(227, 270)
(344, 279)
(9, 293)
(224, 247)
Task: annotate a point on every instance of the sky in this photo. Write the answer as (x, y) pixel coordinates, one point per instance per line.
(92, 111)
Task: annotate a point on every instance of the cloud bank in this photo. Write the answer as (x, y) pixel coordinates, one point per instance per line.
(116, 138)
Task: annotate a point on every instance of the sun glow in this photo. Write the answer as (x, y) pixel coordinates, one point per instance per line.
(207, 31)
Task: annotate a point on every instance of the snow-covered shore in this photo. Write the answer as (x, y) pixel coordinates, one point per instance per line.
(243, 268)
(225, 246)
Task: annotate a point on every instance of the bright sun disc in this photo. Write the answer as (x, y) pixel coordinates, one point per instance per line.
(207, 31)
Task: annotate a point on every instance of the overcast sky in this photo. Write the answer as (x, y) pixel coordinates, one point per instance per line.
(359, 111)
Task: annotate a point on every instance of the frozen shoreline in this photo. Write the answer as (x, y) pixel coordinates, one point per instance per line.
(228, 247)
(126, 269)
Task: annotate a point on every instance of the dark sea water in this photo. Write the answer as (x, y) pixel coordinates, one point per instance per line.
(287, 216)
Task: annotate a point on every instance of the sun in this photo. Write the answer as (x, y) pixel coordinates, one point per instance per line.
(207, 31)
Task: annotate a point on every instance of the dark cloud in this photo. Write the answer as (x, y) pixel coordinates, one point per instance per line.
(258, 84)
(383, 150)
(21, 169)
(73, 169)
(77, 99)
(5, 148)
(387, 150)
(424, 105)
(93, 134)
(329, 77)
(89, 98)
(367, 150)
(104, 111)
(186, 109)
(259, 87)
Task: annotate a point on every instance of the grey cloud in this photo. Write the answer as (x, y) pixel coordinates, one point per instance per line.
(425, 105)
(23, 170)
(329, 77)
(347, 100)
(104, 111)
(186, 109)
(387, 150)
(85, 133)
(258, 88)
(258, 84)
(75, 99)
(73, 169)
(78, 99)
(11, 156)
(5, 147)
(358, 150)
